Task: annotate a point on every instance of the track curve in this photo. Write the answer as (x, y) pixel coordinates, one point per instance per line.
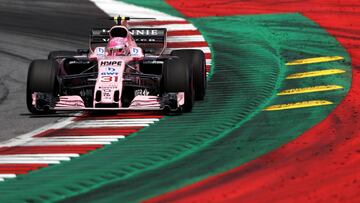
(152, 154)
(321, 165)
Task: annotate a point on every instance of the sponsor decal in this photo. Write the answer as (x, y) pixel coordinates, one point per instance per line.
(100, 51)
(135, 51)
(110, 71)
(147, 32)
(108, 87)
(110, 63)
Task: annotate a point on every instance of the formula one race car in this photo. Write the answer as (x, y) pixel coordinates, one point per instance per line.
(124, 69)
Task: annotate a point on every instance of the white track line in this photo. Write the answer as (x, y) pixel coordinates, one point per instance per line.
(124, 120)
(109, 125)
(208, 61)
(114, 8)
(29, 161)
(114, 122)
(20, 140)
(144, 120)
(169, 27)
(40, 155)
(64, 143)
(5, 158)
(116, 137)
(7, 175)
(70, 139)
(186, 38)
(27, 158)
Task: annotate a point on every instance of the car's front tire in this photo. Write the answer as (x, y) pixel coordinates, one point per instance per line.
(41, 78)
(178, 77)
(196, 59)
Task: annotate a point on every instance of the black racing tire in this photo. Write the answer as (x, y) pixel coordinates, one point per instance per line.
(196, 59)
(178, 77)
(42, 77)
(54, 54)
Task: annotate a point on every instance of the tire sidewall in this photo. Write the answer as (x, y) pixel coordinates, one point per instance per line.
(178, 77)
(196, 59)
(42, 77)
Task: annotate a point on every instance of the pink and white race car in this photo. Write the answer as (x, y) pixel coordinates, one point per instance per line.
(124, 69)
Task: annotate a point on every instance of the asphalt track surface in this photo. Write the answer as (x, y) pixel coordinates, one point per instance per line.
(48, 39)
(28, 31)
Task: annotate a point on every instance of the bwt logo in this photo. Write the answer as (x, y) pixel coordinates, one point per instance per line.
(110, 63)
(110, 71)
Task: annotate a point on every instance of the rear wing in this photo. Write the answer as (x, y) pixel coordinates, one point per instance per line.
(151, 40)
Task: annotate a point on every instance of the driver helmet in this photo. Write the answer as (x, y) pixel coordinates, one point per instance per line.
(117, 46)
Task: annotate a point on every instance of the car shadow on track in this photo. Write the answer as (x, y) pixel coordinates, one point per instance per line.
(55, 115)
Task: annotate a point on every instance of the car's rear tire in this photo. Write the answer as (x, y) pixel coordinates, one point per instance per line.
(196, 59)
(178, 77)
(41, 78)
(54, 54)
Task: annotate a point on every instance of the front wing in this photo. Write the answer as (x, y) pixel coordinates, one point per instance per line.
(139, 103)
